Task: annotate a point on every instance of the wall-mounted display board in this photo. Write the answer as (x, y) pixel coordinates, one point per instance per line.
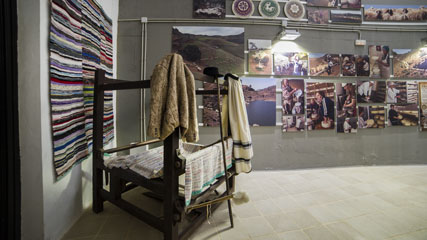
(320, 105)
(346, 107)
(209, 8)
(423, 105)
(291, 63)
(397, 13)
(346, 16)
(292, 96)
(322, 3)
(410, 63)
(379, 59)
(362, 65)
(351, 3)
(371, 117)
(260, 62)
(202, 47)
(371, 91)
(403, 115)
(348, 65)
(317, 15)
(293, 123)
(324, 64)
(260, 98)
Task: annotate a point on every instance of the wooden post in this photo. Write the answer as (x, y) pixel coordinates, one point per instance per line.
(170, 174)
(98, 136)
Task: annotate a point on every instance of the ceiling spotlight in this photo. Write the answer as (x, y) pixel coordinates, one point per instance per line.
(288, 34)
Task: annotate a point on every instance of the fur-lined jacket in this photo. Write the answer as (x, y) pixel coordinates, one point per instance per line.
(173, 100)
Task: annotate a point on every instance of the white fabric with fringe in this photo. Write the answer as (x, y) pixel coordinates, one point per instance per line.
(234, 109)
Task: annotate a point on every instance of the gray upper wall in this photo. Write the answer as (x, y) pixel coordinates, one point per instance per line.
(273, 149)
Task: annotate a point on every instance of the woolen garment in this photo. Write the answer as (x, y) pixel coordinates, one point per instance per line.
(173, 100)
(234, 112)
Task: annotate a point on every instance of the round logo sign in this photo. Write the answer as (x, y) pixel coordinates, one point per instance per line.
(269, 8)
(243, 8)
(294, 10)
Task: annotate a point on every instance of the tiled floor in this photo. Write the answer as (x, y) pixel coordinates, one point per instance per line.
(339, 203)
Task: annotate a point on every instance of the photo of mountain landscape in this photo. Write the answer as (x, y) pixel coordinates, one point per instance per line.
(221, 47)
(260, 98)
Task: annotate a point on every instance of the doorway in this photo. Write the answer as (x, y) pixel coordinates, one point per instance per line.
(10, 187)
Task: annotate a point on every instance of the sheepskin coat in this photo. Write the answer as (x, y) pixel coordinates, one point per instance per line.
(173, 100)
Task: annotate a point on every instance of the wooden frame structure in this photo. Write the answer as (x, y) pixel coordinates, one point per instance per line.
(122, 180)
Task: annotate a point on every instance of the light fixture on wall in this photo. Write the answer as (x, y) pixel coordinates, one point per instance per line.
(424, 43)
(288, 35)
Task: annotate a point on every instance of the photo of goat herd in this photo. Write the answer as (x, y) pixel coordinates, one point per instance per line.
(399, 13)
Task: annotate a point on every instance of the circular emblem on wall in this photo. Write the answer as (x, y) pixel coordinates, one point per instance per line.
(269, 8)
(294, 10)
(243, 8)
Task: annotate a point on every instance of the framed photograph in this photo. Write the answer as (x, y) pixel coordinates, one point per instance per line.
(403, 115)
(260, 62)
(371, 91)
(201, 47)
(320, 105)
(322, 3)
(346, 16)
(412, 91)
(409, 63)
(362, 66)
(324, 64)
(209, 8)
(396, 13)
(396, 92)
(294, 123)
(293, 96)
(346, 107)
(291, 64)
(260, 98)
(348, 65)
(379, 60)
(259, 44)
(317, 15)
(351, 3)
(371, 117)
(423, 105)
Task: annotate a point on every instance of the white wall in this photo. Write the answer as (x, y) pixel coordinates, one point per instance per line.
(49, 207)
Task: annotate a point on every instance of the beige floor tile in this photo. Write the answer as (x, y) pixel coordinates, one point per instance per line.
(246, 210)
(320, 233)
(267, 237)
(282, 222)
(330, 195)
(267, 207)
(117, 224)
(305, 199)
(323, 214)
(342, 210)
(293, 235)
(115, 237)
(345, 232)
(239, 231)
(287, 204)
(303, 219)
(419, 235)
(368, 228)
(257, 226)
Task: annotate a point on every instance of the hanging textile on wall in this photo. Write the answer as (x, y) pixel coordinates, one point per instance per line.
(97, 53)
(80, 41)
